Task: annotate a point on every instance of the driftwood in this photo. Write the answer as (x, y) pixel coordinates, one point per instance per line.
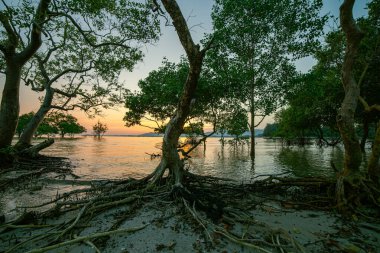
(153, 155)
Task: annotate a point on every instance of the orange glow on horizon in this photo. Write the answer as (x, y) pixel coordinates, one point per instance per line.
(114, 121)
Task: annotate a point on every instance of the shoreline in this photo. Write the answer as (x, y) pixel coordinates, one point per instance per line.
(168, 226)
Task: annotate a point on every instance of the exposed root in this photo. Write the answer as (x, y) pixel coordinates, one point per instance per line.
(74, 223)
(197, 218)
(353, 192)
(158, 173)
(25, 169)
(87, 238)
(33, 151)
(92, 246)
(216, 205)
(241, 242)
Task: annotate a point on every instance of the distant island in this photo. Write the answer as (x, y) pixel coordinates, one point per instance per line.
(258, 133)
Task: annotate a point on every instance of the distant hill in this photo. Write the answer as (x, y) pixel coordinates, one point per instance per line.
(150, 135)
(258, 133)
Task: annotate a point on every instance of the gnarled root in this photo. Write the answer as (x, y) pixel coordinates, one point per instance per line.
(215, 204)
(33, 151)
(352, 191)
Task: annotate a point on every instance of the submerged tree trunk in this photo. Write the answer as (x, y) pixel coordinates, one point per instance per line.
(252, 112)
(345, 117)
(373, 163)
(252, 130)
(10, 106)
(170, 157)
(30, 129)
(252, 99)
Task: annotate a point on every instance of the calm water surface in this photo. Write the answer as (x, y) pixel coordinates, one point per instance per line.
(121, 157)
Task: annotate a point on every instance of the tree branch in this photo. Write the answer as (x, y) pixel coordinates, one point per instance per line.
(152, 120)
(66, 94)
(70, 71)
(17, 33)
(353, 36)
(3, 49)
(35, 88)
(208, 45)
(62, 108)
(36, 41)
(364, 72)
(186, 154)
(368, 108)
(83, 33)
(263, 117)
(12, 37)
(74, 92)
(183, 32)
(43, 70)
(52, 50)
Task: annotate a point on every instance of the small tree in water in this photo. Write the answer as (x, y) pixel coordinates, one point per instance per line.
(99, 129)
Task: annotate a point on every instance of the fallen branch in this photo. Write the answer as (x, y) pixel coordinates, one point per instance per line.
(241, 242)
(194, 214)
(153, 155)
(87, 238)
(75, 221)
(34, 150)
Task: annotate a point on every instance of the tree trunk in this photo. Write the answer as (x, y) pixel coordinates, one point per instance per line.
(252, 106)
(10, 106)
(30, 129)
(170, 157)
(34, 150)
(252, 129)
(373, 163)
(345, 118)
(252, 95)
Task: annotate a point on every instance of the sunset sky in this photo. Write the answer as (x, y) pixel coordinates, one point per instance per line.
(198, 13)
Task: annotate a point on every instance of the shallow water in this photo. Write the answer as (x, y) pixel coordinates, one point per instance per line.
(119, 157)
(122, 157)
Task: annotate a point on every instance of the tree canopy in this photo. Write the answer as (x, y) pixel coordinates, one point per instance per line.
(66, 124)
(159, 93)
(261, 40)
(316, 96)
(54, 123)
(77, 36)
